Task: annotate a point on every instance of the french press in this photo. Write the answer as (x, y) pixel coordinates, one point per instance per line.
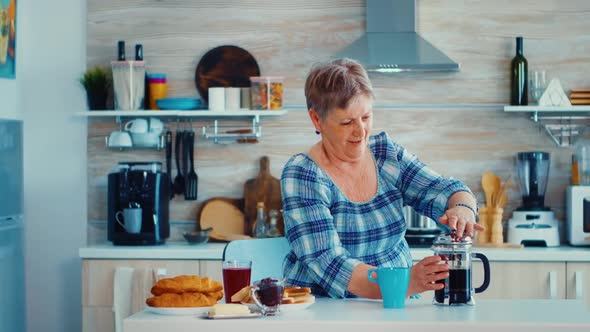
(456, 252)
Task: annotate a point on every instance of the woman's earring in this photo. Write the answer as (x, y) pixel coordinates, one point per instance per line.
(317, 132)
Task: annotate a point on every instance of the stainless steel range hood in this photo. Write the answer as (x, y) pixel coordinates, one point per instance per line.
(391, 43)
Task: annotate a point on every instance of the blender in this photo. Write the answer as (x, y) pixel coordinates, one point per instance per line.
(532, 223)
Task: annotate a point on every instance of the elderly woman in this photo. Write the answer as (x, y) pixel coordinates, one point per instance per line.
(343, 199)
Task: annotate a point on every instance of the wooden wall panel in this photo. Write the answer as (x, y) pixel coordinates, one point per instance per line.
(287, 37)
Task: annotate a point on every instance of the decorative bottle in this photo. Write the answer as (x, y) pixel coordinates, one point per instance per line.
(519, 77)
(273, 230)
(121, 50)
(260, 227)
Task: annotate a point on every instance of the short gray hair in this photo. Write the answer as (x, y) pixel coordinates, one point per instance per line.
(335, 84)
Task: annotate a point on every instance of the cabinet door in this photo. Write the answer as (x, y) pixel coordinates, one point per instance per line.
(521, 280)
(98, 275)
(578, 281)
(211, 269)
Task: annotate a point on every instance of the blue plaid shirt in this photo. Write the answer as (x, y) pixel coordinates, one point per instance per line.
(330, 235)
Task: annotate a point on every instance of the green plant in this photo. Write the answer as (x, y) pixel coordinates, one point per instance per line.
(96, 80)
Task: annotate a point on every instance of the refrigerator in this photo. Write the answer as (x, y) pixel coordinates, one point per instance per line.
(12, 266)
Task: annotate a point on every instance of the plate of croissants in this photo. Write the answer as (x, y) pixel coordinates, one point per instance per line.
(184, 295)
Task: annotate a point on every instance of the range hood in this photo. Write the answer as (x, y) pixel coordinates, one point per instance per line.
(391, 44)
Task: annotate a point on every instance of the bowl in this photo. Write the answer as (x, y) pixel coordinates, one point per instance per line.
(196, 237)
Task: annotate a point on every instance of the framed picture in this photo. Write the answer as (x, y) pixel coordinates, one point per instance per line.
(7, 38)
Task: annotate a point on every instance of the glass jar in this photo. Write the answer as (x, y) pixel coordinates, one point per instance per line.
(456, 252)
(582, 156)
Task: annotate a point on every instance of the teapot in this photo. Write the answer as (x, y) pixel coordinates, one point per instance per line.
(456, 252)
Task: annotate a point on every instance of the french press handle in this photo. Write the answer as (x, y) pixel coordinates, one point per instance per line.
(486, 272)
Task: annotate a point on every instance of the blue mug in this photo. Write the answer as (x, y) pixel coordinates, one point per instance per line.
(393, 283)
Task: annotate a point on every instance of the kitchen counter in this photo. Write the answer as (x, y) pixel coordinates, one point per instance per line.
(369, 315)
(214, 251)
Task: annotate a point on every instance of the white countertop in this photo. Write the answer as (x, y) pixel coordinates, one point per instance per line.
(214, 251)
(367, 315)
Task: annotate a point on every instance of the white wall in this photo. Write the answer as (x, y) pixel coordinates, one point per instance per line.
(52, 53)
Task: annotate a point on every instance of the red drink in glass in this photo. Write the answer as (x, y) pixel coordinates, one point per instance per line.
(236, 275)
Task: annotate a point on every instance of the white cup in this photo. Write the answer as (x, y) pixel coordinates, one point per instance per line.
(217, 99)
(119, 139)
(232, 99)
(131, 219)
(156, 126)
(137, 126)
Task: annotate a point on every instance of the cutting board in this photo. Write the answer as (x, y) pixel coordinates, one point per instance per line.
(224, 215)
(263, 188)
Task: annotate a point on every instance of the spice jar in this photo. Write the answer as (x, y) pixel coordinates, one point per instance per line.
(266, 93)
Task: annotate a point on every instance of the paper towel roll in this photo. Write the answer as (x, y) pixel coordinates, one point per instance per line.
(232, 99)
(216, 99)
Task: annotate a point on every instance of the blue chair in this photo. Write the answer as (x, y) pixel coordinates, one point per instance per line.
(267, 255)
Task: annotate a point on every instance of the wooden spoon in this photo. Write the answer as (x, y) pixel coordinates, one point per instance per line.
(497, 189)
(502, 200)
(488, 183)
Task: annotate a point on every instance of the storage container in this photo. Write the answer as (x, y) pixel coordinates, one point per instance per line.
(266, 93)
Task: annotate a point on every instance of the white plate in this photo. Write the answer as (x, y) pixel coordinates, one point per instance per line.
(169, 311)
(284, 307)
(295, 306)
(250, 315)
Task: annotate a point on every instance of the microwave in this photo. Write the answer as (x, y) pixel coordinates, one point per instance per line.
(578, 215)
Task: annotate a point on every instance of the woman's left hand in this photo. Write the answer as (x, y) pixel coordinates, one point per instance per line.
(461, 219)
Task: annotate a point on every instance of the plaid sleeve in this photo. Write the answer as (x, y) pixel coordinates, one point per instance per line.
(422, 188)
(309, 227)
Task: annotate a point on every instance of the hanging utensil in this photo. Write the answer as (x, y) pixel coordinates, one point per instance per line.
(179, 179)
(168, 140)
(192, 179)
(185, 161)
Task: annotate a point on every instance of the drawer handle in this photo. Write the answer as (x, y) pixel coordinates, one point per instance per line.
(553, 285)
(579, 283)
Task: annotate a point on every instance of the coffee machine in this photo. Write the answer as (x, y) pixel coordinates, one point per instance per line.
(533, 224)
(140, 187)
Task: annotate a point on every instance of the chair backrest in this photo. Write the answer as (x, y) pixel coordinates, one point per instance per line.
(267, 255)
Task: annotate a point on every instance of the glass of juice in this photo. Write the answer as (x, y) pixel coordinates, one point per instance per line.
(236, 275)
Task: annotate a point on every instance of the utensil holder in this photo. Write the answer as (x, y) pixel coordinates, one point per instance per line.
(483, 236)
(495, 225)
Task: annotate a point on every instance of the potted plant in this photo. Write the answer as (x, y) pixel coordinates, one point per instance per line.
(97, 81)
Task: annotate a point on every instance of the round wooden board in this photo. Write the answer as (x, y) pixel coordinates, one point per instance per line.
(225, 66)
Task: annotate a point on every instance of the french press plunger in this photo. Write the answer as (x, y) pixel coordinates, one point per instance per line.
(456, 252)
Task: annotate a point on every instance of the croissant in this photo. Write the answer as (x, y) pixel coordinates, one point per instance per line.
(186, 283)
(189, 299)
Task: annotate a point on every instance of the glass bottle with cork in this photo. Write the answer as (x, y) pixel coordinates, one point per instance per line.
(260, 228)
(273, 230)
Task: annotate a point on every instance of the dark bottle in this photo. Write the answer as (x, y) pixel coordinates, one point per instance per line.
(146, 94)
(519, 77)
(121, 50)
(138, 52)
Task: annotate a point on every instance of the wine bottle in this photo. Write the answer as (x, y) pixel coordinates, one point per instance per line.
(121, 51)
(519, 76)
(138, 52)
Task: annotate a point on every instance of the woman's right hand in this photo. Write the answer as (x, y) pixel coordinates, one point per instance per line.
(425, 273)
